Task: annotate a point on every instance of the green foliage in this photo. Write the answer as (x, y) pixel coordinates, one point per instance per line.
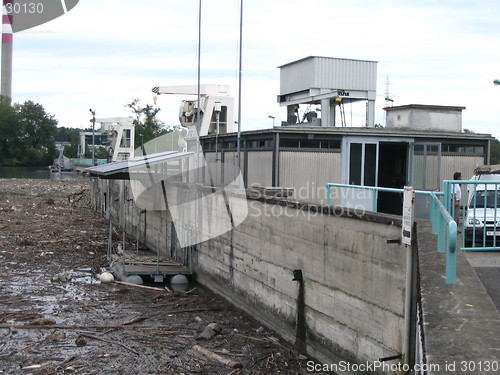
(63, 134)
(495, 152)
(26, 134)
(147, 125)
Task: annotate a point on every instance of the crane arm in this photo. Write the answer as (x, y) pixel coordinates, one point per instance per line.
(215, 90)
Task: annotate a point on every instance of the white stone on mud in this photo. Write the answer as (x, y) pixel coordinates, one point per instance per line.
(106, 277)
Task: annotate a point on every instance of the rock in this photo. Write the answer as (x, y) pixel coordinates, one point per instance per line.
(210, 331)
(260, 329)
(197, 319)
(106, 277)
(56, 336)
(80, 341)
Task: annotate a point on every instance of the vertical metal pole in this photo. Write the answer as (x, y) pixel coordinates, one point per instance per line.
(110, 241)
(138, 233)
(238, 149)
(158, 254)
(93, 136)
(198, 112)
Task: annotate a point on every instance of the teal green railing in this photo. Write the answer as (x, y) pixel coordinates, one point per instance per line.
(480, 227)
(443, 223)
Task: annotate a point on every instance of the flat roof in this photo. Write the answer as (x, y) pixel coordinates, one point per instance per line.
(120, 170)
(359, 131)
(323, 57)
(425, 106)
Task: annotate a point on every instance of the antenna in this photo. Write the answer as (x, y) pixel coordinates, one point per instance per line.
(388, 100)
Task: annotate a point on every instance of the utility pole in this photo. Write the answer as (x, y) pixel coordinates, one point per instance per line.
(93, 136)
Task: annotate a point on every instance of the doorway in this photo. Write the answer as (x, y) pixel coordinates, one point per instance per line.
(392, 173)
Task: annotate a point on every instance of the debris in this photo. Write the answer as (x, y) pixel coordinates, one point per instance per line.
(56, 336)
(198, 319)
(260, 329)
(31, 367)
(233, 332)
(139, 286)
(41, 321)
(210, 331)
(208, 353)
(62, 277)
(135, 320)
(108, 341)
(80, 341)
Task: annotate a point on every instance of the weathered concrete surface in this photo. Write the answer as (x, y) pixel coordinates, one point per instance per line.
(350, 305)
(487, 266)
(461, 325)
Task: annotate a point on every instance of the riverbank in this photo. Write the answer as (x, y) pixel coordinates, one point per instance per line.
(58, 318)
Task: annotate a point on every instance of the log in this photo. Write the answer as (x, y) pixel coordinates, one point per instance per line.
(219, 358)
(90, 326)
(110, 342)
(141, 286)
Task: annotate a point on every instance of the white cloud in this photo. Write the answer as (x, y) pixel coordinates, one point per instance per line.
(104, 53)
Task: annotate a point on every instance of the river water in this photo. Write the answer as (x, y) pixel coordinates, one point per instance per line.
(37, 173)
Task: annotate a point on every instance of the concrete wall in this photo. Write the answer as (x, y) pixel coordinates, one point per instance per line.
(350, 305)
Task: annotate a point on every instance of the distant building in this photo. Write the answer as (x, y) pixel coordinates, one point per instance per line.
(424, 117)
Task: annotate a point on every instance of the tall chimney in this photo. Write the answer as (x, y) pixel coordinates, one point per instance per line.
(7, 38)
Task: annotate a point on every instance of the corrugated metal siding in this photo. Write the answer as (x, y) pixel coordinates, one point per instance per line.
(425, 175)
(297, 77)
(260, 168)
(309, 172)
(463, 164)
(345, 74)
(449, 165)
(230, 166)
(324, 72)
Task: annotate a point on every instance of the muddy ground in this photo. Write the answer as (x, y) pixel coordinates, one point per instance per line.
(57, 318)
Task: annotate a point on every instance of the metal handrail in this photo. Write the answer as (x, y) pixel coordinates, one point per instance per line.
(443, 223)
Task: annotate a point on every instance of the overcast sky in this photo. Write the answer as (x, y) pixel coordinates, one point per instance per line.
(102, 54)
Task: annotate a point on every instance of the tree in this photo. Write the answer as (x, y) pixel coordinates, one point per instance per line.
(38, 128)
(495, 152)
(147, 125)
(26, 134)
(9, 132)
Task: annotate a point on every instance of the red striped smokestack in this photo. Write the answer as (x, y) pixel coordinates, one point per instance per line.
(7, 38)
